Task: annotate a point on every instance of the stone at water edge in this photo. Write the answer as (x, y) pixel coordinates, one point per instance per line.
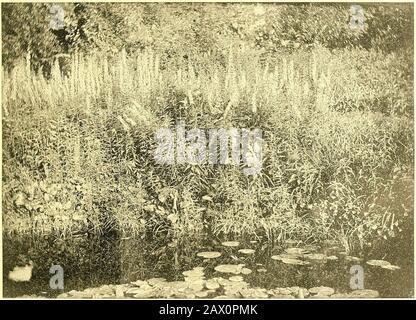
(21, 274)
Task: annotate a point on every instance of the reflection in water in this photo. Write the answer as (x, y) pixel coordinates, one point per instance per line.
(93, 261)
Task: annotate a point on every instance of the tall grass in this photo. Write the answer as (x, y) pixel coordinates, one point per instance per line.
(78, 146)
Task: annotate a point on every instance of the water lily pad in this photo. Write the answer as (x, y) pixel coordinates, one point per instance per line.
(229, 268)
(196, 286)
(119, 291)
(236, 278)
(209, 254)
(391, 267)
(341, 295)
(290, 241)
(246, 271)
(145, 294)
(294, 261)
(285, 256)
(316, 256)
(78, 217)
(202, 294)
(212, 284)
(230, 243)
(282, 296)
(353, 259)
(246, 251)
(254, 293)
(310, 247)
(322, 291)
(364, 293)
(378, 263)
(299, 251)
(155, 281)
(138, 283)
(332, 258)
(193, 273)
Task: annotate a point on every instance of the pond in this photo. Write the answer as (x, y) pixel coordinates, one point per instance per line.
(92, 261)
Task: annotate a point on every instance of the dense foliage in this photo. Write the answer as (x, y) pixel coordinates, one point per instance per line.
(175, 30)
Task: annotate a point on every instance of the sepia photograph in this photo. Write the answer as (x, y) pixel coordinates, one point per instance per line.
(207, 150)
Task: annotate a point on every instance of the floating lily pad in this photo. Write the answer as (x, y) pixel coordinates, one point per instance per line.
(353, 259)
(246, 251)
(201, 294)
(196, 286)
(285, 256)
(299, 251)
(310, 247)
(294, 261)
(145, 294)
(230, 243)
(246, 271)
(155, 281)
(254, 293)
(209, 254)
(391, 267)
(378, 263)
(322, 291)
(236, 278)
(332, 258)
(364, 293)
(229, 268)
(212, 284)
(290, 241)
(315, 256)
(138, 283)
(196, 272)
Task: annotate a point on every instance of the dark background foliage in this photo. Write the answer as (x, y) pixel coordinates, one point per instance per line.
(179, 30)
